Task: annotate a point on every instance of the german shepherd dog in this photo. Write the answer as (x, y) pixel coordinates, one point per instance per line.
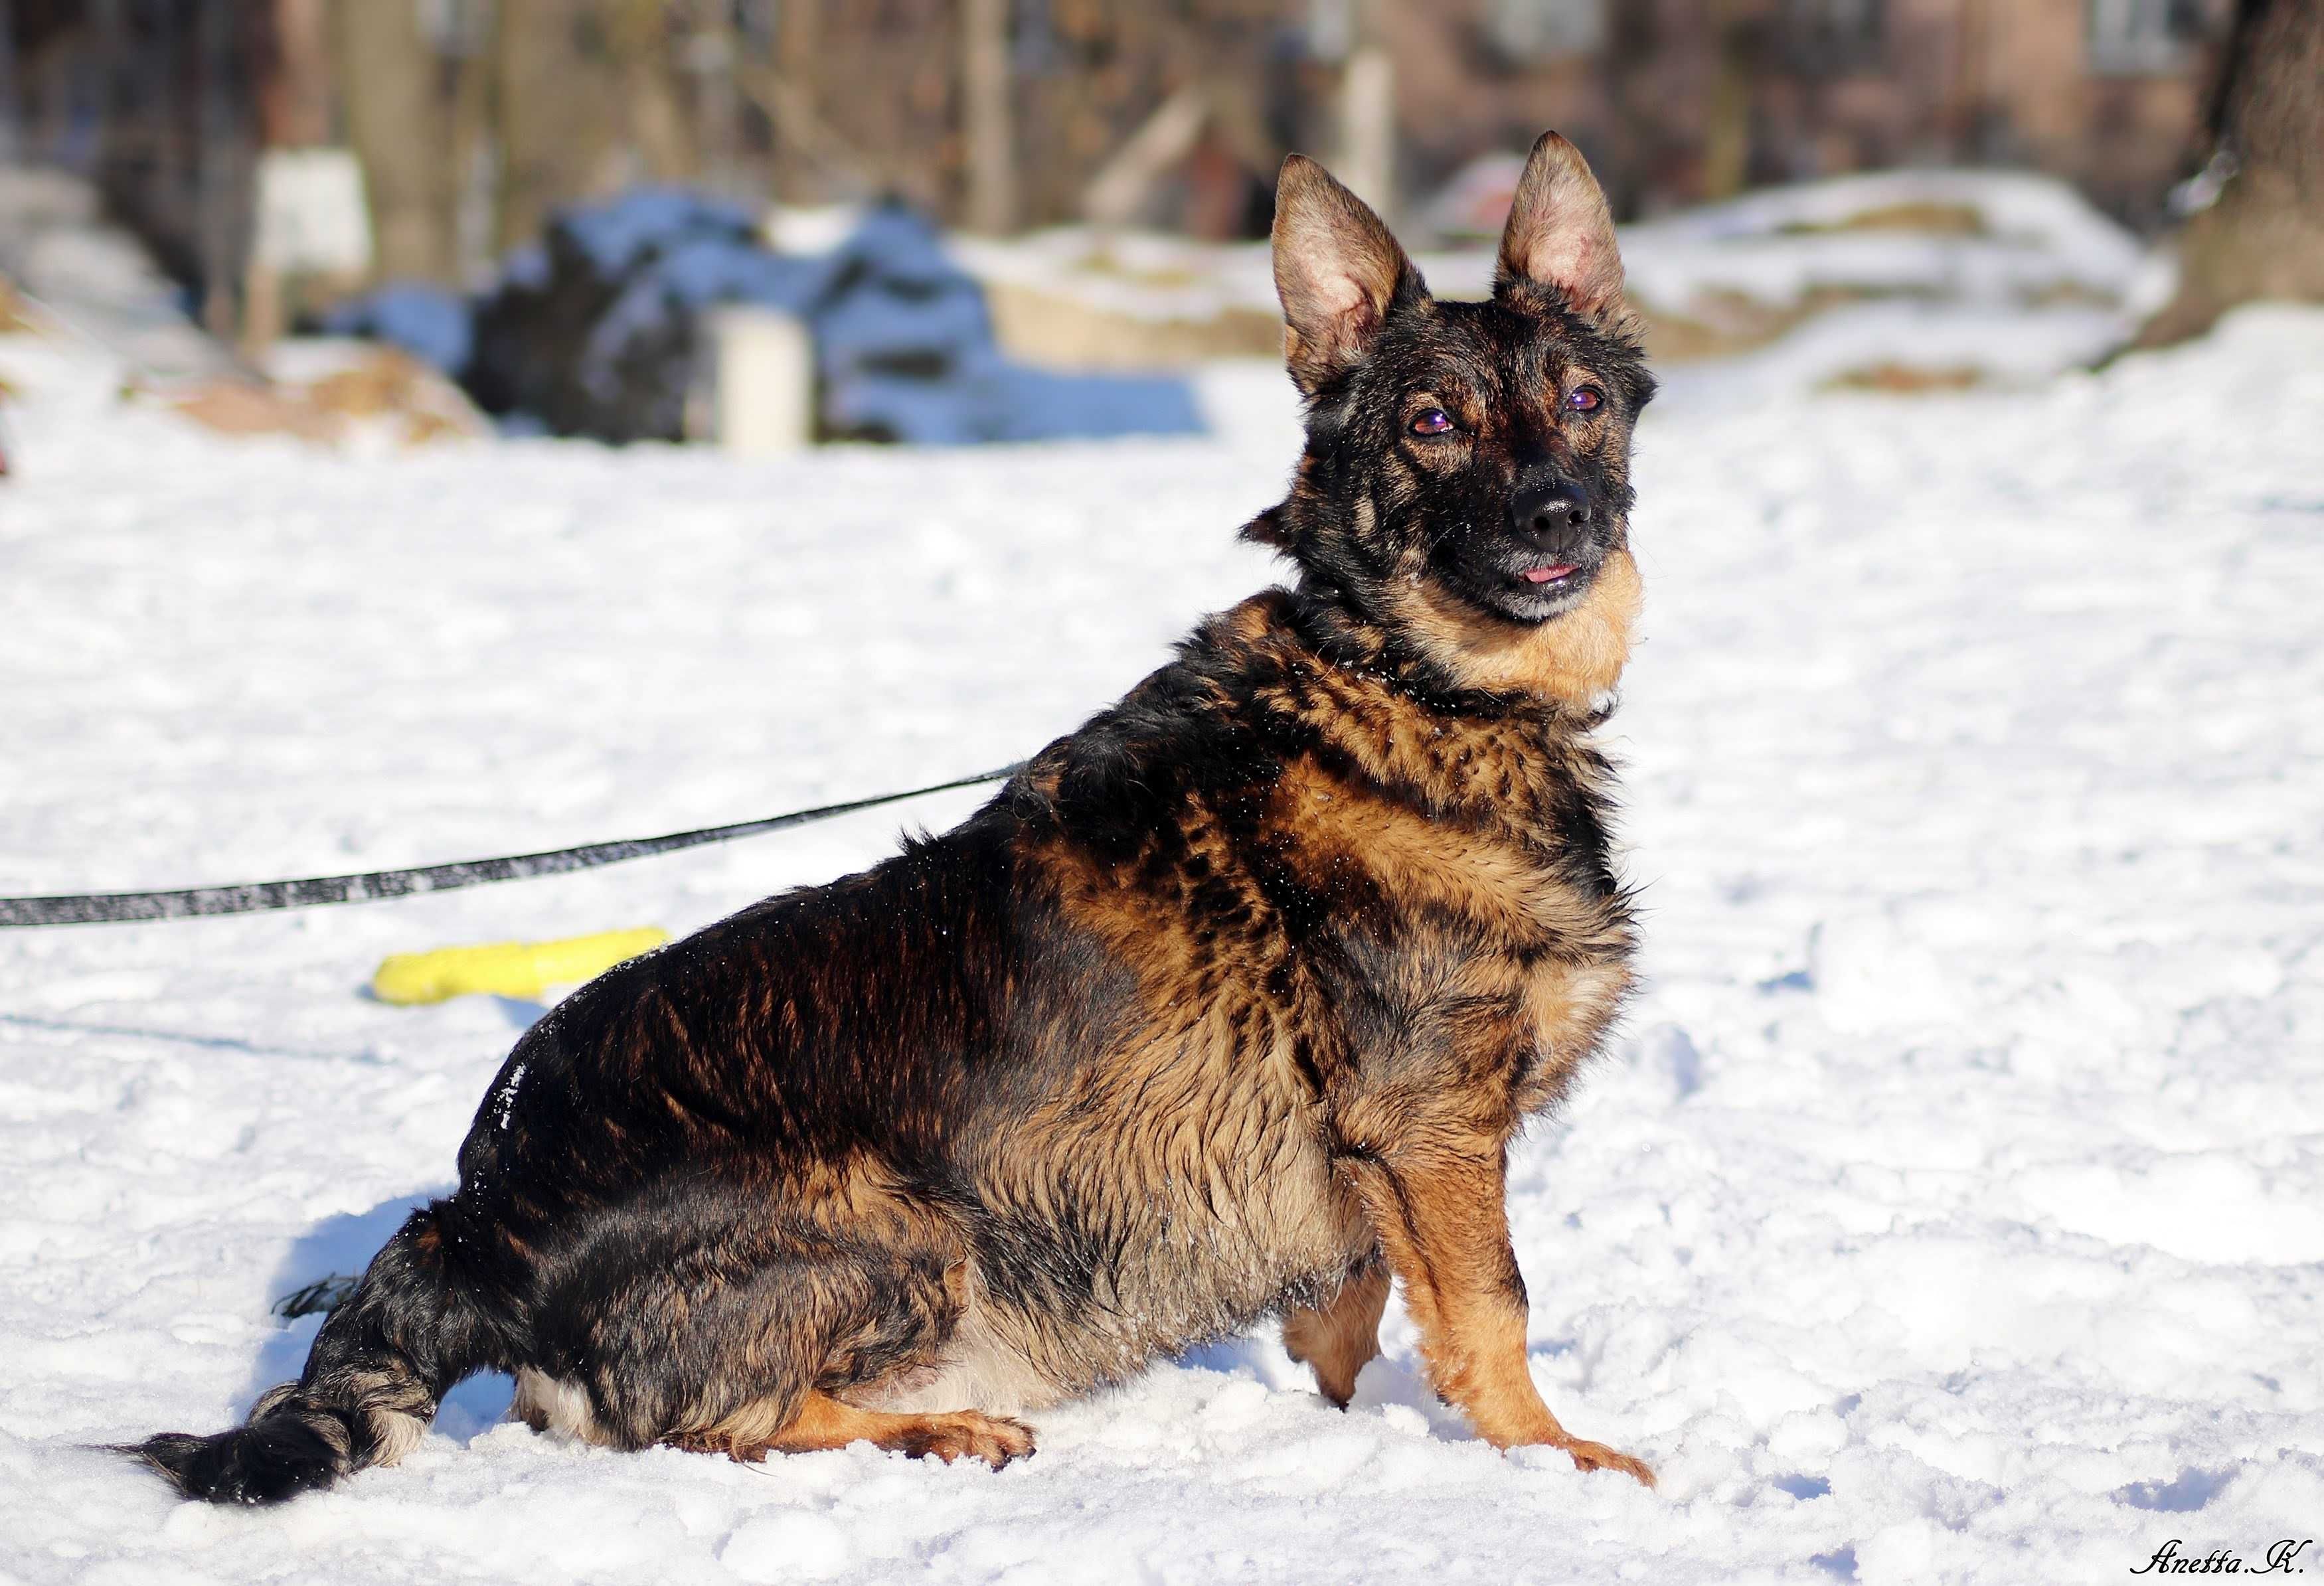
(1228, 1005)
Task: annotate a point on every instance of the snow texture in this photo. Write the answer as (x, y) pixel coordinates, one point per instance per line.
(1951, 1210)
(56, 244)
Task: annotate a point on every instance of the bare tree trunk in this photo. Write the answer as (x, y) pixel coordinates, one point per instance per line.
(294, 112)
(2264, 235)
(294, 94)
(10, 134)
(223, 207)
(1727, 132)
(524, 78)
(551, 102)
(992, 128)
(1366, 152)
(1368, 126)
(1118, 192)
(390, 71)
(475, 151)
(798, 42)
(657, 122)
(717, 105)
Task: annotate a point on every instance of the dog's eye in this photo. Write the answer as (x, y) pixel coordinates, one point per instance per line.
(1586, 399)
(1436, 421)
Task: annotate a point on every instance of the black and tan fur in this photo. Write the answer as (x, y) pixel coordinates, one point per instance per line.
(1228, 1005)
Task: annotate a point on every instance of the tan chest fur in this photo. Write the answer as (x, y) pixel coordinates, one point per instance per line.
(1193, 1154)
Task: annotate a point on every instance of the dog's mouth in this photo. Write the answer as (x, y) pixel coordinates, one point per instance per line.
(1501, 576)
(1528, 585)
(1547, 573)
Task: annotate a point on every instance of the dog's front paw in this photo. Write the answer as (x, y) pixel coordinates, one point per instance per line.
(1335, 1374)
(1597, 1456)
(994, 1439)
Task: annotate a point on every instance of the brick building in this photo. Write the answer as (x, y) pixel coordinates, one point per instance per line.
(1680, 100)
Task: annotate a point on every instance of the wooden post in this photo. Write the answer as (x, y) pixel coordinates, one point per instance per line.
(763, 399)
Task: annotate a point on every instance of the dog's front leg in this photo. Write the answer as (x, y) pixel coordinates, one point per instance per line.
(1339, 1337)
(1444, 1226)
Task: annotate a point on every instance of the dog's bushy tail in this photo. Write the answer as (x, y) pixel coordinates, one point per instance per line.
(382, 1361)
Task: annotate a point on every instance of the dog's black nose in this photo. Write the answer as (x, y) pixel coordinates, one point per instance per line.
(1550, 517)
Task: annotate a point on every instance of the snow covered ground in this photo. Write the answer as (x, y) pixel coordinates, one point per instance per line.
(1953, 1209)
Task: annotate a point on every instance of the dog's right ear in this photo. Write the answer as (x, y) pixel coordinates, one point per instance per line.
(1560, 233)
(1338, 272)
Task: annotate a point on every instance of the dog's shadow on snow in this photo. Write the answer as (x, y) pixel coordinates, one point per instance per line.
(342, 1246)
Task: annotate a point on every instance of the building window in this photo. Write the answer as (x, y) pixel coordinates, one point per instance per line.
(1527, 33)
(1836, 35)
(2128, 38)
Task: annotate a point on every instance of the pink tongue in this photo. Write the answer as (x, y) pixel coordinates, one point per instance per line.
(1544, 575)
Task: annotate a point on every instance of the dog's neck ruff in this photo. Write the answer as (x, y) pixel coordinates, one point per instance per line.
(1328, 622)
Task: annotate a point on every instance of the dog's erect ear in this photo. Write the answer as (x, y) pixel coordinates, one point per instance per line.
(1338, 271)
(1560, 232)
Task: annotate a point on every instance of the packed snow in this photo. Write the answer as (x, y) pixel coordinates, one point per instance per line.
(1952, 1207)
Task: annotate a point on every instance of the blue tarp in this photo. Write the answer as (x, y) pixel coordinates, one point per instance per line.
(597, 330)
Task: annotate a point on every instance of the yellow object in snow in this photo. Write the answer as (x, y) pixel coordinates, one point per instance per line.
(507, 969)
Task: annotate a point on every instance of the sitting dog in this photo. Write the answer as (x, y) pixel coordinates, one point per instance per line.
(1228, 1005)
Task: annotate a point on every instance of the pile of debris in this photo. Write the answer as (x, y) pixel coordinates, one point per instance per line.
(337, 394)
(603, 329)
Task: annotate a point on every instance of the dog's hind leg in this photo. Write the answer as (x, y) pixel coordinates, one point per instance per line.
(747, 1342)
(868, 1320)
(1340, 1336)
(820, 1422)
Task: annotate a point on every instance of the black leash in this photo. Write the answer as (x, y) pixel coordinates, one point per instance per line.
(255, 897)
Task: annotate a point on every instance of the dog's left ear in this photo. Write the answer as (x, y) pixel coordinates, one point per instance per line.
(1561, 233)
(1338, 272)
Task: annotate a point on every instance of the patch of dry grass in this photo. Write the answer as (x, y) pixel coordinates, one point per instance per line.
(1895, 379)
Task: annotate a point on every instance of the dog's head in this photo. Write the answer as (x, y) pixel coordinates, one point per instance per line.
(1465, 486)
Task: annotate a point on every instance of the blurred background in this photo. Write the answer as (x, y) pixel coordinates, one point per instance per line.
(952, 213)
(777, 222)
(1954, 1196)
